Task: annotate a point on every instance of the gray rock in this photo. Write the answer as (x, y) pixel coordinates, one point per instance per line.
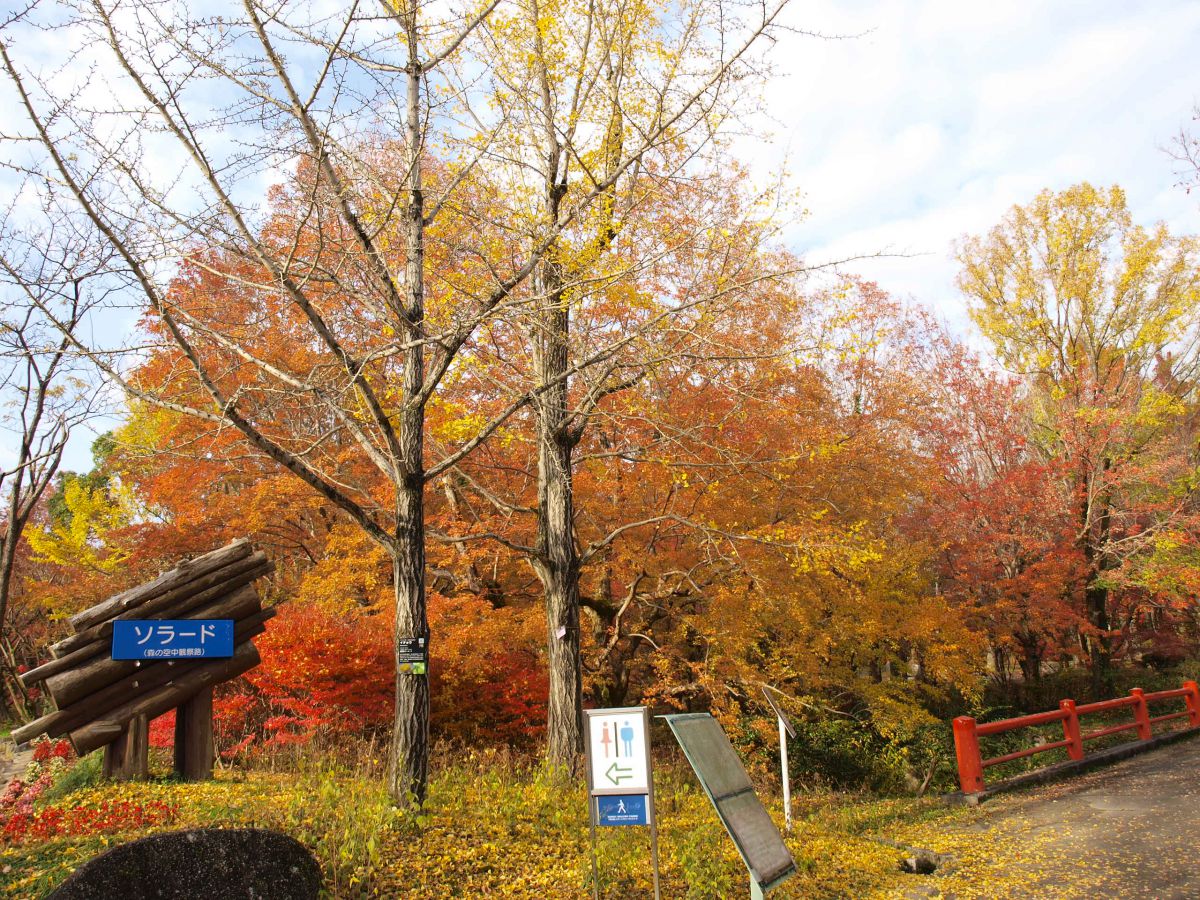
(200, 864)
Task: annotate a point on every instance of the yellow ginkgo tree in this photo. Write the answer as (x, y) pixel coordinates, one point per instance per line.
(79, 529)
(1100, 317)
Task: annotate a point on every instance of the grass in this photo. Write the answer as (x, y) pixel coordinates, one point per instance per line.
(497, 826)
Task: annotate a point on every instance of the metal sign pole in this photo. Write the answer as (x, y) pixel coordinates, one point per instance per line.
(650, 801)
(785, 731)
(595, 869)
(787, 787)
(620, 785)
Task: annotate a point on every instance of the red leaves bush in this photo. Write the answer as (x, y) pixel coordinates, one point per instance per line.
(44, 751)
(324, 672)
(319, 673)
(108, 816)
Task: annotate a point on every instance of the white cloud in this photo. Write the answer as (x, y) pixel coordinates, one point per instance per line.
(942, 114)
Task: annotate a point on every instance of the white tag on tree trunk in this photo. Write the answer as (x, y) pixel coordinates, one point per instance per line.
(562, 632)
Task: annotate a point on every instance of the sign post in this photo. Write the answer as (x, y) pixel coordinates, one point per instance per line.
(620, 777)
(785, 731)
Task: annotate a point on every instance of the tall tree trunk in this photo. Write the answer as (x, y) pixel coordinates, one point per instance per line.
(557, 564)
(1099, 645)
(556, 560)
(17, 514)
(1097, 521)
(408, 760)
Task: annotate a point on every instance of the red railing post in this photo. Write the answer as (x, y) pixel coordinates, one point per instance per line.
(1141, 714)
(966, 748)
(1193, 702)
(1071, 729)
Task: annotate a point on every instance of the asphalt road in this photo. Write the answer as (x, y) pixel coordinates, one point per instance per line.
(1127, 831)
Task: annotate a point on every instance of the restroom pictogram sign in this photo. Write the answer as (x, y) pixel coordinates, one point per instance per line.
(618, 751)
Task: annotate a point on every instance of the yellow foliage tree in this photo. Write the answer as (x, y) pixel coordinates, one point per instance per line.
(1101, 317)
(79, 534)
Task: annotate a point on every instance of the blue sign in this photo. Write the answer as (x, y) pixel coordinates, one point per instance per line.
(172, 639)
(621, 809)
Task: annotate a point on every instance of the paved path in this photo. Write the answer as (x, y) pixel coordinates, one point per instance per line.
(1126, 831)
(13, 763)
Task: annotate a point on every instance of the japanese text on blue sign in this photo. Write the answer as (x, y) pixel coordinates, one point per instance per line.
(172, 639)
(622, 809)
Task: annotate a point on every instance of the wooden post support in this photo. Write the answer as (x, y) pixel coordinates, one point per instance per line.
(194, 737)
(1193, 702)
(128, 757)
(1141, 714)
(1071, 729)
(966, 748)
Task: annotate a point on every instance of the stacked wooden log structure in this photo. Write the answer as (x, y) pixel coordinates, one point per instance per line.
(103, 702)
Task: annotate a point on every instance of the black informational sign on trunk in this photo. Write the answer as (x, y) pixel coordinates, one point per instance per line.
(412, 656)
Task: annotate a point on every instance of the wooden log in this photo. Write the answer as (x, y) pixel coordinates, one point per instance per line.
(175, 603)
(128, 757)
(61, 664)
(157, 673)
(156, 702)
(109, 732)
(68, 687)
(194, 737)
(181, 574)
(101, 644)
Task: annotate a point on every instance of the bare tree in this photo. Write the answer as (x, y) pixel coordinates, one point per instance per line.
(168, 158)
(1185, 150)
(43, 395)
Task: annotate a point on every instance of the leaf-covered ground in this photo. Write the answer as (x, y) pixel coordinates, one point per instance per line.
(492, 829)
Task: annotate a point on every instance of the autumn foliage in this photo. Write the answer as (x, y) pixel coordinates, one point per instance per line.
(811, 486)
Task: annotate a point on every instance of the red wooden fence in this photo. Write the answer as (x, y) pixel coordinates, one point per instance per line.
(967, 731)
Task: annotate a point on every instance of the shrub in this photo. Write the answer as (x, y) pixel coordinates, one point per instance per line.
(84, 773)
(107, 816)
(344, 818)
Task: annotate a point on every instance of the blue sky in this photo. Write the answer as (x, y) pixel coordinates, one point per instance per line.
(936, 116)
(941, 115)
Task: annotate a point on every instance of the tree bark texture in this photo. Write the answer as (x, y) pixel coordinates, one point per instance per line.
(408, 757)
(128, 757)
(181, 574)
(557, 562)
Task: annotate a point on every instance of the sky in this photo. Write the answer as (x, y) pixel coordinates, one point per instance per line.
(938, 116)
(929, 119)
